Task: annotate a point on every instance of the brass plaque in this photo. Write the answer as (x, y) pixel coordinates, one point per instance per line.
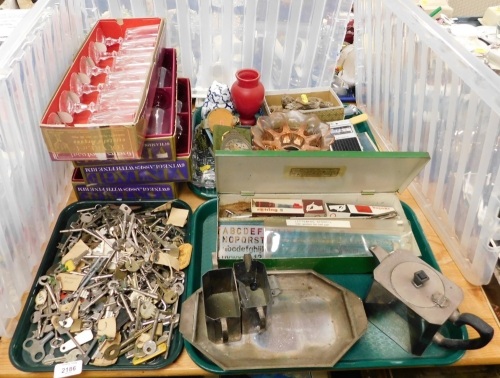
(314, 172)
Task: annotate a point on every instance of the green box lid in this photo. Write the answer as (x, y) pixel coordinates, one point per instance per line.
(309, 172)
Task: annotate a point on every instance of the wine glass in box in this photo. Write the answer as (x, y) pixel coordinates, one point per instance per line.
(131, 41)
(81, 84)
(89, 68)
(69, 102)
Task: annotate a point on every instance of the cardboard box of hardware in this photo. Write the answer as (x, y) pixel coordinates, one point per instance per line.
(322, 102)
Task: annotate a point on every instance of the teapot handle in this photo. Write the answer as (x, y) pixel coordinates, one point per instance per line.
(484, 329)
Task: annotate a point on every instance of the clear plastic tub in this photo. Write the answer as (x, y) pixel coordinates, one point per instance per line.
(423, 91)
(32, 187)
(294, 44)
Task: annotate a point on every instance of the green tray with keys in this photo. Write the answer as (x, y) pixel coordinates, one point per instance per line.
(373, 350)
(21, 357)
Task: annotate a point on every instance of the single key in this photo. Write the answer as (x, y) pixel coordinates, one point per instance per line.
(147, 310)
(112, 352)
(54, 360)
(47, 327)
(41, 297)
(170, 296)
(86, 358)
(55, 343)
(39, 316)
(35, 347)
(149, 346)
(74, 355)
(178, 287)
(173, 323)
(41, 307)
(45, 281)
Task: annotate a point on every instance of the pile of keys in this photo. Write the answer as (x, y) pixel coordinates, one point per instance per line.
(114, 289)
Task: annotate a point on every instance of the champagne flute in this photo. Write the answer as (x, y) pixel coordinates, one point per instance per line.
(142, 31)
(98, 52)
(157, 116)
(116, 99)
(120, 117)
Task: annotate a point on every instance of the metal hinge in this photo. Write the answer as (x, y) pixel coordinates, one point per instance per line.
(368, 192)
(247, 193)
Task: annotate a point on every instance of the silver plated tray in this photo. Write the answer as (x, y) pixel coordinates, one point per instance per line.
(312, 323)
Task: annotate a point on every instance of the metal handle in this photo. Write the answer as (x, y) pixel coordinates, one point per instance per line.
(262, 318)
(484, 329)
(224, 330)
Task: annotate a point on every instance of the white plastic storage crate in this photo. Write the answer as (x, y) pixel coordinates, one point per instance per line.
(293, 44)
(32, 188)
(424, 92)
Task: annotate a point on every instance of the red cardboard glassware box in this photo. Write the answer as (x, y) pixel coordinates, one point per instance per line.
(76, 139)
(184, 143)
(161, 141)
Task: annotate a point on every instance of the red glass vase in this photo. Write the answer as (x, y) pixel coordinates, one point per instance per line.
(247, 93)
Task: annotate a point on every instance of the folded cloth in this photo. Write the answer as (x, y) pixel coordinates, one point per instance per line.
(218, 96)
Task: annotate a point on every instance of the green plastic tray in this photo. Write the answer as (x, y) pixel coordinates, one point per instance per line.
(21, 359)
(373, 350)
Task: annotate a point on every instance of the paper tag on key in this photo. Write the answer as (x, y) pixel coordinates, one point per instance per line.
(68, 369)
(69, 282)
(106, 327)
(76, 252)
(167, 260)
(178, 217)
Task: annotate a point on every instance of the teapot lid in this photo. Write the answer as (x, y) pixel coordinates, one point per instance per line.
(418, 285)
